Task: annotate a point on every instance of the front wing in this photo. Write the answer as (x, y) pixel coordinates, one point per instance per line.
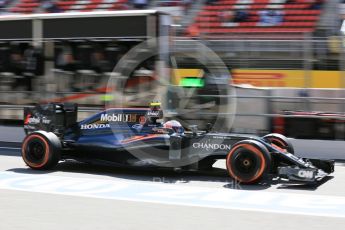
(308, 175)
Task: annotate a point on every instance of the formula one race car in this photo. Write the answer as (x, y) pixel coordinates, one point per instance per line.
(136, 137)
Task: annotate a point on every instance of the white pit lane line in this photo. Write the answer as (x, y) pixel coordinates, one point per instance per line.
(288, 203)
(10, 148)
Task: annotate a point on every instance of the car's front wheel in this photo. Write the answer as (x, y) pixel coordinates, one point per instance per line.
(248, 162)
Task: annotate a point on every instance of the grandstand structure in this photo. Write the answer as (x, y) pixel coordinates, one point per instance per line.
(32, 6)
(237, 29)
(216, 19)
(298, 16)
(25, 6)
(59, 49)
(300, 39)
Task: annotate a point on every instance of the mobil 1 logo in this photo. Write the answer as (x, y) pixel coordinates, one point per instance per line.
(116, 117)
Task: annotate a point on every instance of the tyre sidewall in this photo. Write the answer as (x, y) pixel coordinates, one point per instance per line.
(52, 153)
(262, 156)
(280, 141)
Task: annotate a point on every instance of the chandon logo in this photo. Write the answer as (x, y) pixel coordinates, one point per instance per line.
(208, 146)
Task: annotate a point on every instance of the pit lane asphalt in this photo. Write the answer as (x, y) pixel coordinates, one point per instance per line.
(29, 210)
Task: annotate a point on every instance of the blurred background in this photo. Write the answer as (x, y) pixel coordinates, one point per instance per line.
(286, 60)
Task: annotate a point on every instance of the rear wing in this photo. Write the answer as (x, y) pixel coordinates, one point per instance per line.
(52, 117)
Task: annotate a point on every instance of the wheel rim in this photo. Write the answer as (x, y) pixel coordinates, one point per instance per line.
(35, 152)
(246, 163)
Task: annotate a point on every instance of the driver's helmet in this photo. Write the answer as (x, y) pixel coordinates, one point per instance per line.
(174, 125)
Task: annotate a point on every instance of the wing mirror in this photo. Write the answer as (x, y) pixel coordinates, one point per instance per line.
(193, 129)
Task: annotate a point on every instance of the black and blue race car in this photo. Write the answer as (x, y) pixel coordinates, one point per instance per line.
(138, 137)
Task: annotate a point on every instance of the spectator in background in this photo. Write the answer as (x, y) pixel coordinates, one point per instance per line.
(140, 4)
(4, 58)
(98, 62)
(5, 6)
(51, 7)
(186, 5)
(2, 5)
(17, 67)
(271, 17)
(33, 65)
(290, 1)
(27, 66)
(169, 2)
(193, 31)
(16, 63)
(241, 16)
(211, 2)
(70, 63)
(316, 4)
(226, 16)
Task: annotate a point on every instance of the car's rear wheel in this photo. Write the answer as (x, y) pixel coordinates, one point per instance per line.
(248, 162)
(280, 142)
(41, 150)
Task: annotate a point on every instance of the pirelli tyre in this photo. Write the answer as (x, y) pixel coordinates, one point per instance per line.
(41, 150)
(279, 141)
(248, 162)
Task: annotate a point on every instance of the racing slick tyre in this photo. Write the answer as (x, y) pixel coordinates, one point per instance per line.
(41, 150)
(279, 141)
(248, 162)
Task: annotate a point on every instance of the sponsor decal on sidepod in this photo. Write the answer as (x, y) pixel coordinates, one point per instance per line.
(207, 146)
(116, 117)
(110, 118)
(94, 126)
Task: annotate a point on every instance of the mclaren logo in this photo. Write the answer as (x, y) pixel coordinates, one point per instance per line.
(31, 120)
(210, 146)
(34, 120)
